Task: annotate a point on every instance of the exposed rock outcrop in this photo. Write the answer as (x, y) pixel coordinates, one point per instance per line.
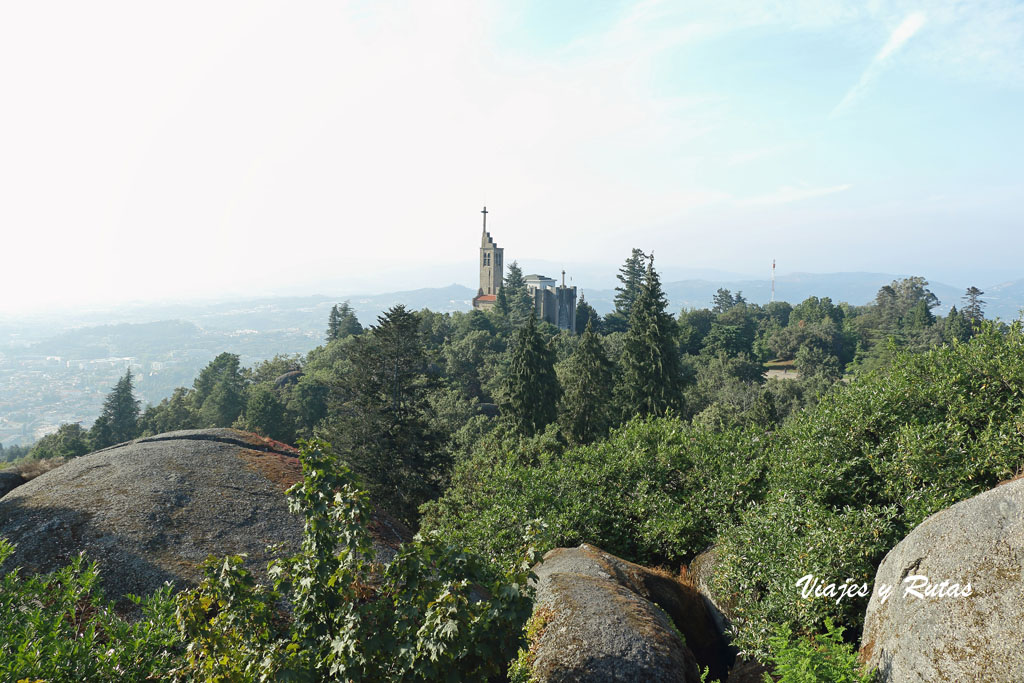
(700, 573)
(10, 481)
(153, 509)
(607, 619)
(977, 637)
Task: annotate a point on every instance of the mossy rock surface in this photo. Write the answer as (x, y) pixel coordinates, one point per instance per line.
(151, 510)
(611, 620)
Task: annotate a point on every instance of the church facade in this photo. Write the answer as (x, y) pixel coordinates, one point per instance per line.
(552, 302)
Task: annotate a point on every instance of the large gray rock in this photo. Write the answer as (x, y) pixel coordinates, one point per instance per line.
(152, 510)
(979, 637)
(606, 619)
(700, 573)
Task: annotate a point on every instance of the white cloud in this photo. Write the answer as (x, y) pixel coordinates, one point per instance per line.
(897, 39)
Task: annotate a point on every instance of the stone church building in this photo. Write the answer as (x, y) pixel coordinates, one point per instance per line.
(552, 302)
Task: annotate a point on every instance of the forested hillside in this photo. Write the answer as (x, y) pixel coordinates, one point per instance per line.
(652, 435)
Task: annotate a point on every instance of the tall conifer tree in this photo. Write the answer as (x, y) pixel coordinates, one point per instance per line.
(585, 411)
(333, 323)
(974, 308)
(342, 322)
(586, 316)
(378, 419)
(501, 302)
(651, 379)
(119, 420)
(219, 391)
(517, 295)
(531, 386)
(957, 326)
(631, 275)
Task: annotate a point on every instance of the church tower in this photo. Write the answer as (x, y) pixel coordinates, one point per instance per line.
(491, 269)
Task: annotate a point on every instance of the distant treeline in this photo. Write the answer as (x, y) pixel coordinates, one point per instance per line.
(421, 378)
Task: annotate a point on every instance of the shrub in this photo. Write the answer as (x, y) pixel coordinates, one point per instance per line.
(850, 478)
(434, 613)
(656, 491)
(58, 627)
(822, 658)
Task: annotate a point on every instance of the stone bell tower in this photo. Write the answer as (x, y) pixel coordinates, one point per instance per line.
(491, 269)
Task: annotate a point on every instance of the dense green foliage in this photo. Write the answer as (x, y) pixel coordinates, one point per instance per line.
(814, 659)
(850, 478)
(57, 627)
(795, 439)
(530, 398)
(433, 613)
(829, 492)
(656, 491)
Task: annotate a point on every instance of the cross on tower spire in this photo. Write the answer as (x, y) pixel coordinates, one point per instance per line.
(484, 212)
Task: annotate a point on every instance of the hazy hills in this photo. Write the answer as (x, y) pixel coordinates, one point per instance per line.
(116, 331)
(58, 368)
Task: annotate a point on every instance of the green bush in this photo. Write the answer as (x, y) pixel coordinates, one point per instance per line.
(850, 478)
(58, 627)
(656, 491)
(821, 658)
(434, 613)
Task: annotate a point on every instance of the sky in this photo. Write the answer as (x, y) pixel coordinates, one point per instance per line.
(155, 151)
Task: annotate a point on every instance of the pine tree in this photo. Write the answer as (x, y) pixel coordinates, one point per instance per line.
(119, 420)
(631, 275)
(975, 308)
(958, 328)
(501, 302)
(265, 414)
(920, 317)
(531, 387)
(586, 316)
(342, 322)
(520, 303)
(585, 411)
(650, 381)
(333, 323)
(377, 418)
